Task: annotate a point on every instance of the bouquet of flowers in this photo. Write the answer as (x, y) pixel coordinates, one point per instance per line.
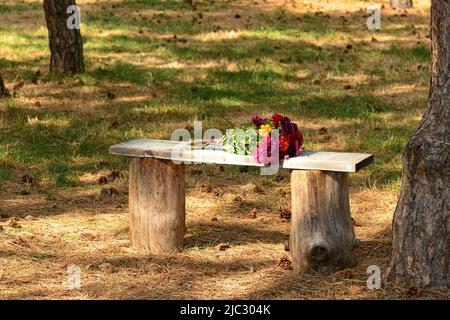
(257, 139)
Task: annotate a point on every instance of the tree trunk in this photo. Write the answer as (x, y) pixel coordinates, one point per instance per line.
(66, 45)
(421, 226)
(3, 91)
(401, 4)
(157, 204)
(322, 236)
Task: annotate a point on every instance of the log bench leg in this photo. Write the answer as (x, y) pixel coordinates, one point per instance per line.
(322, 235)
(156, 204)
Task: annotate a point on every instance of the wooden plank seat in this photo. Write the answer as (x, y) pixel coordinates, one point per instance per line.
(322, 235)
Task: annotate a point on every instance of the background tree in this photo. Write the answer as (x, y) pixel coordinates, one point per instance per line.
(401, 4)
(421, 226)
(3, 91)
(66, 45)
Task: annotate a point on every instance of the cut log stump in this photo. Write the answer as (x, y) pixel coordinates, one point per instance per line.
(322, 235)
(157, 204)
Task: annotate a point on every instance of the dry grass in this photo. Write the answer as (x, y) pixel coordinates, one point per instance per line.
(60, 224)
(91, 231)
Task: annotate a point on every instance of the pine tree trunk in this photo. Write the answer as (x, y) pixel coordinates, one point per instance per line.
(3, 91)
(401, 4)
(421, 227)
(66, 45)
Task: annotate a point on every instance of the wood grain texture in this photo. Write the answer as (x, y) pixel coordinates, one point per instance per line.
(156, 204)
(322, 235)
(183, 152)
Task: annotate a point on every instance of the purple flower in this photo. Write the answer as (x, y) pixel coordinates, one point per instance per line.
(258, 121)
(292, 150)
(286, 123)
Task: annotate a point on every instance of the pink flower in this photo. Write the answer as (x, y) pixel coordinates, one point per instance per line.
(263, 153)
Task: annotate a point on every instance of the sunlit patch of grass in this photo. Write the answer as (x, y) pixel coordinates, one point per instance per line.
(20, 40)
(11, 7)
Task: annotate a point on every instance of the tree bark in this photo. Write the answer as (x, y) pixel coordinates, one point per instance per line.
(322, 236)
(401, 4)
(157, 204)
(66, 45)
(3, 91)
(421, 226)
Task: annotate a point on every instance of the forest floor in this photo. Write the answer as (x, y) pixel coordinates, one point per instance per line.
(155, 66)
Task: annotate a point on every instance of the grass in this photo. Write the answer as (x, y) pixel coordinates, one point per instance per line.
(155, 66)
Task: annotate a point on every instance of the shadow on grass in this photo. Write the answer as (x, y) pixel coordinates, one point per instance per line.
(211, 234)
(315, 285)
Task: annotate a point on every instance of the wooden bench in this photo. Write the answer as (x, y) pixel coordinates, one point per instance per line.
(322, 235)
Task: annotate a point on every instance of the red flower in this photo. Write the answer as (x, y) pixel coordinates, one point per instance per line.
(276, 119)
(284, 144)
